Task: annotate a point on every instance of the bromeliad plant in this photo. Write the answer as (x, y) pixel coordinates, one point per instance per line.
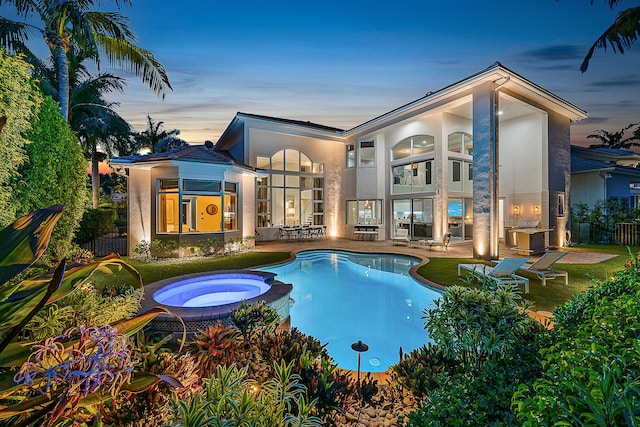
(81, 368)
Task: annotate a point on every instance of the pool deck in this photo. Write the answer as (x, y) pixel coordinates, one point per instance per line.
(462, 249)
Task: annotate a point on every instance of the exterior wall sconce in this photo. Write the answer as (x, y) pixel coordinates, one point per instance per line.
(536, 209)
(516, 209)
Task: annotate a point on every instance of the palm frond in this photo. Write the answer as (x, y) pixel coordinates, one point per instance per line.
(112, 24)
(14, 35)
(136, 60)
(624, 31)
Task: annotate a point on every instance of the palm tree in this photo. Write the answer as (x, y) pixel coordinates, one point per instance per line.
(93, 118)
(615, 139)
(624, 31)
(67, 24)
(158, 139)
(98, 125)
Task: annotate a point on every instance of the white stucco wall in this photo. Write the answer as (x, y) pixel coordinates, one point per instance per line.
(139, 207)
(524, 167)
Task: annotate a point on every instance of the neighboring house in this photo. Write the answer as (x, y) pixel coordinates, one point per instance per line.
(605, 174)
(470, 159)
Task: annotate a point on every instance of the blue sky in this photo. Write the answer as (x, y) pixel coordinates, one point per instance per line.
(341, 63)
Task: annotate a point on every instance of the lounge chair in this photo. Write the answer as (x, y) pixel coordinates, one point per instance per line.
(401, 236)
(543, 267)
(503, 272)
(444, 242)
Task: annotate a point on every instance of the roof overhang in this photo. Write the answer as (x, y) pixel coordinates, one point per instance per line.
(494, 74)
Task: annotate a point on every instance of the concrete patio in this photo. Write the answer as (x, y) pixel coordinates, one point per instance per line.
(457, 249)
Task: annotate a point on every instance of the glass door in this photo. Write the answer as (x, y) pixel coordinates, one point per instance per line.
(415, 215)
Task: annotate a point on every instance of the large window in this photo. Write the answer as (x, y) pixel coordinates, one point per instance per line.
(413, 177)
(196, 206)
(416, 215)
(460, 218)
(364, 212)
(460, 142)
(293, 193)
(413, 146)
(460, 176)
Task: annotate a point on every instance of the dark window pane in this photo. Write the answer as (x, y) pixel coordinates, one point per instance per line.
(201, 186)
(230, 187)
(168, 185)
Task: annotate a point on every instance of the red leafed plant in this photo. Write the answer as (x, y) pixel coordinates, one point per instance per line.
(216, 345)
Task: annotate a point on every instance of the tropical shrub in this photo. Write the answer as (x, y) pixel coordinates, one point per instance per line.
(78, 255)
(163, 249)
(215, 345)
(478, 396)
(231, 399)
(478, 325)
(68, 375)
(290, 345)
(99, 361)
(484, 347)
(332, 389)
(142, 250)
(54, 172)
(254, 320)
(591, 360)
(208, 247)
(19, 101)
(152, 407)
(96, 222)
(86, 306)
(418, 371)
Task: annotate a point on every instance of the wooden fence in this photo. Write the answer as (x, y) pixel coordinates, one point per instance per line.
(623, 233)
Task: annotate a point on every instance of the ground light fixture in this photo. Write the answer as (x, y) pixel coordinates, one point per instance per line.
(360, 348)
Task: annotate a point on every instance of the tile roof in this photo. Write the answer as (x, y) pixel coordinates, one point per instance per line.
(190, 153)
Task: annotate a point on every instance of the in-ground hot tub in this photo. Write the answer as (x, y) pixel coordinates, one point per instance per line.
(211, 290)
(203, 298)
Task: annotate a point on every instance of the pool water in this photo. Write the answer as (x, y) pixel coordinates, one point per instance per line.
(343, 297)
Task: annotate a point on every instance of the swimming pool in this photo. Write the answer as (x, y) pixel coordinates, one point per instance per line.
(342, 297)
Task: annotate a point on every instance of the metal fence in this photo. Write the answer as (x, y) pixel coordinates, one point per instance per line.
(105, 242)
(622, 233)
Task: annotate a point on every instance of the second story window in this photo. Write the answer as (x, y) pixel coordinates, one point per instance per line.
(351, 155)
(367, 153)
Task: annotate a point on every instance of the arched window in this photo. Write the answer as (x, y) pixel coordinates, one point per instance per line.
(293, 193)
(413, 146)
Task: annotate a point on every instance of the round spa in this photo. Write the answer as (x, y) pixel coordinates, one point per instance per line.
(203, 298)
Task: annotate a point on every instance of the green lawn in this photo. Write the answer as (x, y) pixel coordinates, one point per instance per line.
(581, 276)
(152, 272)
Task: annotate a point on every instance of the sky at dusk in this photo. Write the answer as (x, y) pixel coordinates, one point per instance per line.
(341, 63)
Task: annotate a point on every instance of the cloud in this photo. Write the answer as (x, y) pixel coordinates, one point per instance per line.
(555, 53)
(619, 81)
